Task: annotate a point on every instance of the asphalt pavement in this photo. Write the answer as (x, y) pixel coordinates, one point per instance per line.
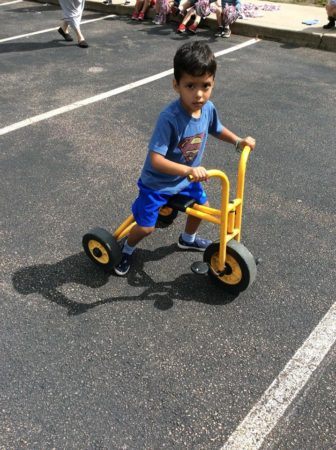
(296, 24)
(161, 358)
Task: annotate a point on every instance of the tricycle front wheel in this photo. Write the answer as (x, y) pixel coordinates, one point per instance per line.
(240, 267)
(102, 248)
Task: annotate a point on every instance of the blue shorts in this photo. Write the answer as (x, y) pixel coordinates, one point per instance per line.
(146, 207)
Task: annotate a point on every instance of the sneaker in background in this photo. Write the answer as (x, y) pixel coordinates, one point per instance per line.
(226, 33)
(157, 20)
(192, 28)
(181, 28)
(219, 32)
(141, 16)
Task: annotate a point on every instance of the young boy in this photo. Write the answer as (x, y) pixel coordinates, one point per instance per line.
(176, 149)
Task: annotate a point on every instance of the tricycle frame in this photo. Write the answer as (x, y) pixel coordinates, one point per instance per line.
(228, 217)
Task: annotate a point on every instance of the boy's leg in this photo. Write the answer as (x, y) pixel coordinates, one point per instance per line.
(189, 240)
(145, 210)
(137, 233)
(193, 223)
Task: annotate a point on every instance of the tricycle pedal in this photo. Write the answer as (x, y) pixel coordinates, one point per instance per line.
(200, 267)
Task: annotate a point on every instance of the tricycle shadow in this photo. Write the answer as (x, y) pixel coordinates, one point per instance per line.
(47, 279)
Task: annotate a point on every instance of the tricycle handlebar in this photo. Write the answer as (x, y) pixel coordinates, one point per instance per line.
(242, 164)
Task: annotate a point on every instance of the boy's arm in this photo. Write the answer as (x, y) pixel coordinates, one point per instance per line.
(230, 137)
(161, 164)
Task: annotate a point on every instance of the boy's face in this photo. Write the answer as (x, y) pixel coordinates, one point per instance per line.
(194, 92)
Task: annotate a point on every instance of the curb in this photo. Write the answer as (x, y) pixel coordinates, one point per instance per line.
(318, 41)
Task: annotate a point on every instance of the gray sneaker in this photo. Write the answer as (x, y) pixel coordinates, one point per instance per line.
(157, 20)
(226, 33)
(219, 32)
(199, 244)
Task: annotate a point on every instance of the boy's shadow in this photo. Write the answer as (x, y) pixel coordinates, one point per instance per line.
(46, 279)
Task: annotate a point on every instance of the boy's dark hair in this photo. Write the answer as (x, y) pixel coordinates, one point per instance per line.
(194, 58)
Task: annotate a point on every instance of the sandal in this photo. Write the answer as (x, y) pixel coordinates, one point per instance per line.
(83, 44)
(66, 36)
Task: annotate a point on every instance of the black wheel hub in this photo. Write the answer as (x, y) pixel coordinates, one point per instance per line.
(227, 270)
(97, 252)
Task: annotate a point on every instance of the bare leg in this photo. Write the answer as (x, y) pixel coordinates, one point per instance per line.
(184, 6)
(219, 16)
(193, 223)
(188, 16)
(197, 20)
(79, 35)
(138, 233)
(65, 26)
(145, 6)
(331, 11)
(138, 6)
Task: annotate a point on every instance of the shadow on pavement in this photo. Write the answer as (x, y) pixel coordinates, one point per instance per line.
(34, 9)
(46, 279)
(32, 46)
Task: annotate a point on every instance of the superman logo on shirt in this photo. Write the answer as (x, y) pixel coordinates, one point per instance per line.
(190, 146)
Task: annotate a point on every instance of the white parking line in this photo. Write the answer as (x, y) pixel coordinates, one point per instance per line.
(104, 95)
(252, 431)
(13, 38)
(11, 3)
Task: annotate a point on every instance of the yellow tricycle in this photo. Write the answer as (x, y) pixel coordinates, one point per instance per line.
(227, 261)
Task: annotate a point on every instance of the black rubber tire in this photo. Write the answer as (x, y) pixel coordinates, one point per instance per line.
(241, 269)
(164, 220)
(102, 248)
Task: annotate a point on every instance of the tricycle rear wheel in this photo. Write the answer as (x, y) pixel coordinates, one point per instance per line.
(240, 267)
(102, 248)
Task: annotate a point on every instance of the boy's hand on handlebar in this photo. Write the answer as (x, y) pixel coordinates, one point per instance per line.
(198, 174)
(250, 141)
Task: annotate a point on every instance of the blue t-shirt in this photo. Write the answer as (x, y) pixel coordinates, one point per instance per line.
(181, 139)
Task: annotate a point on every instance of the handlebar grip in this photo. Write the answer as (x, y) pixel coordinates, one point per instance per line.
(190, 178)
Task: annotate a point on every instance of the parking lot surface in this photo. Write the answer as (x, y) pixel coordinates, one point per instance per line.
(161, 358)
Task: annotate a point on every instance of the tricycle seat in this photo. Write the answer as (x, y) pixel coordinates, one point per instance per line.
(181, 202)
